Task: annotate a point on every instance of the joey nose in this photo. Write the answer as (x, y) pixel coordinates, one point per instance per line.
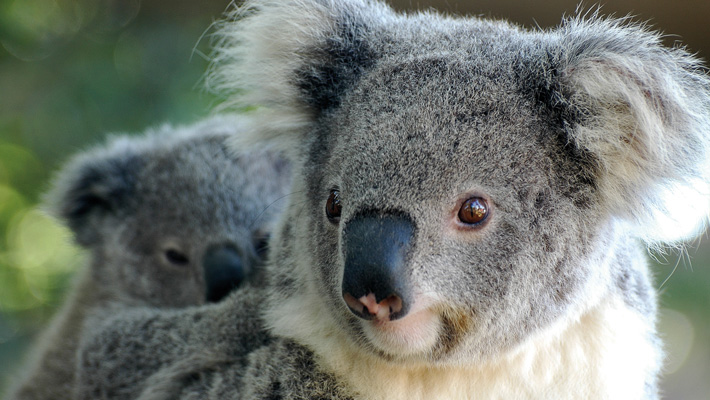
(224, 270)
(376, 283)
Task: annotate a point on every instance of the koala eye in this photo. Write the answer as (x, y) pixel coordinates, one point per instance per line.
(473, 211)
(333, 208)
(176, 257)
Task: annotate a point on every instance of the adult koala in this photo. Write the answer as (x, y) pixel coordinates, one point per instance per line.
(467, 214)
(170, 219)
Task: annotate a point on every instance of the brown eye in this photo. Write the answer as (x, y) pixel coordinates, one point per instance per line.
(473, 211)
(176, 257)
(333, 208)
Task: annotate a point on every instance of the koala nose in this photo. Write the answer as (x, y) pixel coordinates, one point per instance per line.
(224, 270)
(375, 280)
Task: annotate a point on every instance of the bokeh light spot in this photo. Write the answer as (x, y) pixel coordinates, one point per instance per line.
(34, 27)
(11, 202)
(679, 335)
(36, 242)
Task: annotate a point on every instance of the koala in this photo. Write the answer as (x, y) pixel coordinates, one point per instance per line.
(470, 211)
(170, 219)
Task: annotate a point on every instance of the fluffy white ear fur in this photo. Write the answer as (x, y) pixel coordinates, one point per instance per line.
(257, 59)
(645, 112)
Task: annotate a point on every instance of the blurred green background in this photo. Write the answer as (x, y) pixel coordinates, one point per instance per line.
(72, 71)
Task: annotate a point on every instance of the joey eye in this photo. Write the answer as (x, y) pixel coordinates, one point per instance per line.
(473, 211)
(176, 257)
(333, 208)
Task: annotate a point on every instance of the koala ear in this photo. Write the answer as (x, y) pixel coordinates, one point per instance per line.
(289, 61)
(642, 111)
(92, 186)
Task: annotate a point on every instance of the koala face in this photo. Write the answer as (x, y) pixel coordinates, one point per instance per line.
(460, 241)
(462, 184)
(173, 221)
(194, 224)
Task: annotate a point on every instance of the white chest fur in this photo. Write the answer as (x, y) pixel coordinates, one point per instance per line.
(606, 354)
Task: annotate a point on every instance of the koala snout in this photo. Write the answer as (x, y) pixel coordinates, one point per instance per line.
(224, 270)
(375, 281)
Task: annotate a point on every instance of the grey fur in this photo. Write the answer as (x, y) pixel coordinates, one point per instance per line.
(585, 140)
(132, 201)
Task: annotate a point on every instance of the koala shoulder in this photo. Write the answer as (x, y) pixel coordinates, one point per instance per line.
(279, 370)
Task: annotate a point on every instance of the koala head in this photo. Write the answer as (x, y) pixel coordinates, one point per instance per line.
(461, 184)
(174, 217)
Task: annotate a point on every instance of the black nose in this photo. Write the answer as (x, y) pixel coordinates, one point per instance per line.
(224, 270)
(375, 280)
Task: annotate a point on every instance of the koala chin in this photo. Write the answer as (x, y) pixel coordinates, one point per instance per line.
(469, 212)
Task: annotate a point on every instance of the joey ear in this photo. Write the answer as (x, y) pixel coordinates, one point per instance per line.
(92, 186)
(642, 111)
(290, 61)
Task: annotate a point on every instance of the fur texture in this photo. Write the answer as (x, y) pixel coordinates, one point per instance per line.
(576, 145)
(151, 210)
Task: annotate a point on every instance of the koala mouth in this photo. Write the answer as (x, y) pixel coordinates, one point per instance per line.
(415, 333)
(367, 307)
